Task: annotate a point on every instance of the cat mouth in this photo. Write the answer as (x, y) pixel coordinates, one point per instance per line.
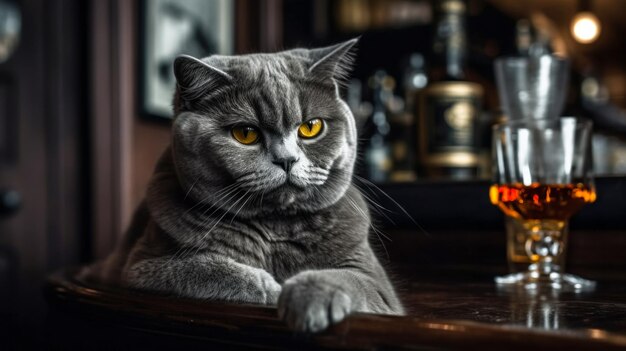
(289, 183)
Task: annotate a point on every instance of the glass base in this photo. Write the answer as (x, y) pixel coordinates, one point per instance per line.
(534, 280)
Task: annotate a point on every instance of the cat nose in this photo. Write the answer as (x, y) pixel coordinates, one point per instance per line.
(285, 162)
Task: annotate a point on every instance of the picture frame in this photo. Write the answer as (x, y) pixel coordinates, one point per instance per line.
(169, 28)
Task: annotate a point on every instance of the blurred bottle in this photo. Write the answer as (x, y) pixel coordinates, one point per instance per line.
(361, 109)
(378, 150)
(402, 141)
(523, 37)
(450, 104)
(402, 118)
(609, 124)
(414, 80)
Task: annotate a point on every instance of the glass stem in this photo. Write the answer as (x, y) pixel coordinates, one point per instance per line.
(545, 245)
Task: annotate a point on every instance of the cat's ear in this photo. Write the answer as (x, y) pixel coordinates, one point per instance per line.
(196, 78)
(333, 62)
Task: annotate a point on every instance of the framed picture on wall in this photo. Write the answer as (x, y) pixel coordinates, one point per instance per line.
(173, 27)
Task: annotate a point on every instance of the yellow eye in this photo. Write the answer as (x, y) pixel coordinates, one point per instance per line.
(245, 135)
(311, 128)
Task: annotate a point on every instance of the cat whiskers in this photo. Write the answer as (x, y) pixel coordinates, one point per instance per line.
(320, 194)
(378, 232)
(378, 208)
(361, 213)
(261, 202)
(246, 177)
(203, 202)
(365, 217)
(259, 181)
(198, 242)
(218, 222)
(217, 201)
(314, 176)
(375, 206)
(242, 205)
(310, 180)
(222, 196)
(318, 172)
(368, 183)
(190, 188)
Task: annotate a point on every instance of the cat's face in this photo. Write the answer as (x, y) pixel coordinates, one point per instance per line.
(267, 133)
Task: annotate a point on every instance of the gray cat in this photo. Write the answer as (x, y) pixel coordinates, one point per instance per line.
(253, 201)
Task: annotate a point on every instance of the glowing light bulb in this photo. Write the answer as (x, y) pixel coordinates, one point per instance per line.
(585, 27)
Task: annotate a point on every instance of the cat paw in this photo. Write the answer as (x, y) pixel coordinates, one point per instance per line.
(267, 289)
(311, 306)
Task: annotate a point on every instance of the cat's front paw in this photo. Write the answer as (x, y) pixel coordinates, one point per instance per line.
(266, 289)
(312, 305)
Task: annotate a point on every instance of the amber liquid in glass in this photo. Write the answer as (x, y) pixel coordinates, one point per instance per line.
(538, 206)
(540, 201)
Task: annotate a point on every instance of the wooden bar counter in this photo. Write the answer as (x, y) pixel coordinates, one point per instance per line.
(443, 266)
(450, 309)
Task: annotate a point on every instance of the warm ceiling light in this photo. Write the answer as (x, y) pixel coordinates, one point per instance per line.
(585, 27)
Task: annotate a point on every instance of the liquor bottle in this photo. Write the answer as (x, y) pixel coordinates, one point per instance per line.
(449, 105)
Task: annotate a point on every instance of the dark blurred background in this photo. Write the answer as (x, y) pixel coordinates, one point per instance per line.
(85, 90)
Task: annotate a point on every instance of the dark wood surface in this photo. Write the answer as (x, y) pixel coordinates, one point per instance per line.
(457, 308)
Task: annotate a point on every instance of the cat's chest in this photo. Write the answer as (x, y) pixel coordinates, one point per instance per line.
(293, 245)
(307, 231)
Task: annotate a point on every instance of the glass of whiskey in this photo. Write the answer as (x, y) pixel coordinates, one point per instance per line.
(543, 176)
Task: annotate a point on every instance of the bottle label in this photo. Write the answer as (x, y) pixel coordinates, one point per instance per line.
(451, 123)
(447, 126)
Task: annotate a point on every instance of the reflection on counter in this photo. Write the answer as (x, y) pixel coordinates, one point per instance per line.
(543, 309)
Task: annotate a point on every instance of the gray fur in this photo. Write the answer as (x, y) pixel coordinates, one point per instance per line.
(222, 221)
